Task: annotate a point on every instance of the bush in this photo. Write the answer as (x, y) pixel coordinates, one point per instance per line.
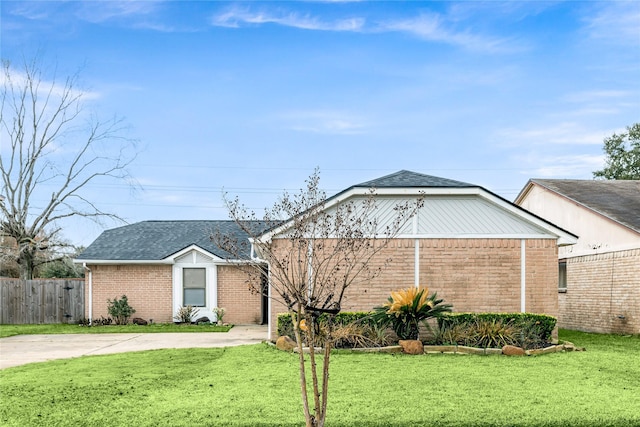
(219, 312)
(526, 330)
(186, 314)
(120, 310)
(350, 329)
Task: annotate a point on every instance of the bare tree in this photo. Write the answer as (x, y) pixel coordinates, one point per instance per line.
(314, 250)
(52, 149)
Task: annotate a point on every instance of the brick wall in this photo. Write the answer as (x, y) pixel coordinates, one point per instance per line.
(603, 293)
(147, 287)
(149, 290)
(477, 275)
(236, 296)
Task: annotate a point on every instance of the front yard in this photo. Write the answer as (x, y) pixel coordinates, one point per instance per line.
(258, 385)
(57, 328)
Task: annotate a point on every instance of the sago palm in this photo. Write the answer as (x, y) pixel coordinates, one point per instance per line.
(406, 308)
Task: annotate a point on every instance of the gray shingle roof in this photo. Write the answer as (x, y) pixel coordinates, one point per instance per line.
(404, 179)
(157, 240)
(616, 200)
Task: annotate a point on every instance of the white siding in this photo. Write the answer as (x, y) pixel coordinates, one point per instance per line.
(453, 216)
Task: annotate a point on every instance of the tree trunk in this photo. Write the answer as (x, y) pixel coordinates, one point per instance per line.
(26, 265)
(303, 378)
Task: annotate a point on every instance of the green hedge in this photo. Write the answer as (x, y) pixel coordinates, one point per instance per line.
(536, 326)
(527, 330)
(285, 324)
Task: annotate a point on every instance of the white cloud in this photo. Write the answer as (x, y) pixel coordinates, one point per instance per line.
(433, 27)
(568, 133)
(324, 122)
(566, 166)
(57, 90)
(596, 95)
(234, 18)
(616, 22)
(96, 12)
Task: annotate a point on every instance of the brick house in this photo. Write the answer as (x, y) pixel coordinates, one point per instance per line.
(599, 286)
(163, 265)
(477, 250)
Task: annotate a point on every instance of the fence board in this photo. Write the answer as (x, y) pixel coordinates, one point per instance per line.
(41, 301)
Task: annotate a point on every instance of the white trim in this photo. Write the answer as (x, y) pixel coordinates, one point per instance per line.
(90, 279)
(416, 272)
(475, 236)
(588, 252)
(523, 276)
(269, 322)
(211, 293)
(195, 248)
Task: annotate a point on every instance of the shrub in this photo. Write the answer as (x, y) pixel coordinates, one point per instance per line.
(491, 333)
(350, 329)
(405, 310)
(186, 314)
(526, 330)
(120, 310)
(219, 312)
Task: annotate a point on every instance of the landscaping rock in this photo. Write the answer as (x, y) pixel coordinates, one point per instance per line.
(440, 348)
(411, 346)
(546, 350)
(285, 343)
(470, 350)
(203, 319)
(139, 321)
(512, 350)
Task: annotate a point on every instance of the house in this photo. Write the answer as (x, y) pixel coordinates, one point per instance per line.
(599, 284)
(163, 265)
(479, 251)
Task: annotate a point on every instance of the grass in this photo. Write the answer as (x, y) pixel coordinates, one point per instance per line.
(258, 386)
(11, 330)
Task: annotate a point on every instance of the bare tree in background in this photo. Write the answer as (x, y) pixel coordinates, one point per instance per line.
(52, 149)
(315, 252)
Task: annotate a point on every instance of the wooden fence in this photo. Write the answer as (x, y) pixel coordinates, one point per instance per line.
(41, 301)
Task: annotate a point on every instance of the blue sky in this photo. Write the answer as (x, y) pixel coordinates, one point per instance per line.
(252, 96)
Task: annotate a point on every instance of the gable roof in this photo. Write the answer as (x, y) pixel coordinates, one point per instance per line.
(158, 240)
(409, 179)
(413, 184)
(618, 200)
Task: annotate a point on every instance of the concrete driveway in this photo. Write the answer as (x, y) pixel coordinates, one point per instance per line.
(23, 349)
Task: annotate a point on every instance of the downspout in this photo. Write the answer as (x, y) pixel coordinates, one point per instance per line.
(523, 275)
(416, 254)
(84, 264)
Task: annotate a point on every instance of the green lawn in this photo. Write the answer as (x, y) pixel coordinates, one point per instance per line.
(258, 386)
(11, 330)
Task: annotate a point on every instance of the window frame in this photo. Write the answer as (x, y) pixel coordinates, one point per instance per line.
(202, 288)
(562, 276)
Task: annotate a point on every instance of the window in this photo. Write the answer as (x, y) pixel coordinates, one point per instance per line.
(194, 285)
(562, 276)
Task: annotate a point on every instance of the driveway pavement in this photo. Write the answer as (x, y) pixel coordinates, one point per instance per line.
(23, 349)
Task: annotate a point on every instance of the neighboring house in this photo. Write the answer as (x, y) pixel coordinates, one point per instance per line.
(479, 251)
(599, 285)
